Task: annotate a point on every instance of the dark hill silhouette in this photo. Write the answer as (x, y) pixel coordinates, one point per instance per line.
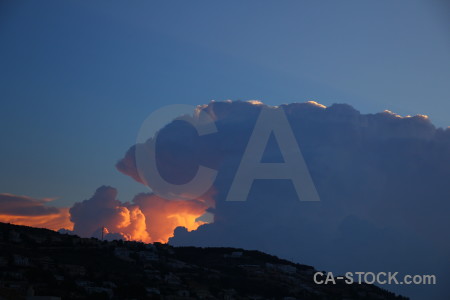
(47, 263)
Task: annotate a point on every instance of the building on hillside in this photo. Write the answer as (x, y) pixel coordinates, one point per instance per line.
(21, 261)
(148, 256)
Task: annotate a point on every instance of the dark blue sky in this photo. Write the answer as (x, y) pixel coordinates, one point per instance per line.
(78, 78)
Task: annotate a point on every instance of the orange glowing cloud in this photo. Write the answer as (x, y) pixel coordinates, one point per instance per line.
(131, 226)
(148, 218)
(23, 210)
(163, 216)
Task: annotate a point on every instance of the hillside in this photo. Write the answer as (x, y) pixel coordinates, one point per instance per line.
(42, 262)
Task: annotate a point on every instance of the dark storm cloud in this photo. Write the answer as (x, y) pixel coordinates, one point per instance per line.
(383, 180)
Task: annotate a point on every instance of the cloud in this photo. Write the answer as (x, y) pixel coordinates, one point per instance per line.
(23, 210)
(104, 210)
(146, 218)
(163, 216)
(382, 179)
(25, 206)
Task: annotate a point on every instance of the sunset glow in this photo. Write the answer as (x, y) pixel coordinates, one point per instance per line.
(53, 221)
(148, 218)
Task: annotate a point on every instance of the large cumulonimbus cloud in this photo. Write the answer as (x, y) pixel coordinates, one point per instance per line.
(383, 181)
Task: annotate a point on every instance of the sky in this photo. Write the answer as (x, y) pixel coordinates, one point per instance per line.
(79, 78)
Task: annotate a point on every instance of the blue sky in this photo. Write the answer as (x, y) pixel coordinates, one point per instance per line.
(78, 78)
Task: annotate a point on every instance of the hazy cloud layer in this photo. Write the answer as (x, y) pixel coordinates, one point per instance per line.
(23, 210)
(25, 206)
